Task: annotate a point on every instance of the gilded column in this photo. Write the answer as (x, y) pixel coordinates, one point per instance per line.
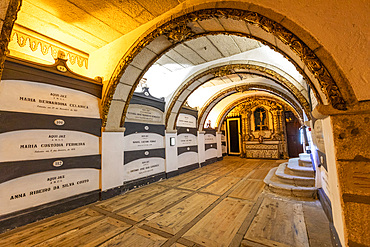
(282, 130)
(244, 135)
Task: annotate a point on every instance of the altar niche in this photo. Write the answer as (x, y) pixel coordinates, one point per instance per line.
(261, 133)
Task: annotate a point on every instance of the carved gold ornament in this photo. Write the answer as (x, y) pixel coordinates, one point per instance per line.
(34, 43)
(245, 105)
(243, 88)
(177, 32)
(11, 15)
(182, 33)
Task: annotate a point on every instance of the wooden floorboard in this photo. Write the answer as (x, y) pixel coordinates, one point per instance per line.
(146, 208)
(221, 204)
(199, 182)
(220, 186)
(213, 230)
(177, 217)
(279, 223)
(136, 237)
(248, 189)
(132, 197)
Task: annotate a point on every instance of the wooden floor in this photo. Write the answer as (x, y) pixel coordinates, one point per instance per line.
(222, 204)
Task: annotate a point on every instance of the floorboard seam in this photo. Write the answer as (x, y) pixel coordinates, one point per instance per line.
(247, 222)
(187, 227)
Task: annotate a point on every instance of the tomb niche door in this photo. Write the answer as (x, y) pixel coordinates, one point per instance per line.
(233, 136)
(293, 134)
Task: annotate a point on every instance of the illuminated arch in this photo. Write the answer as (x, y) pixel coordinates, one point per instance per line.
(177, 30)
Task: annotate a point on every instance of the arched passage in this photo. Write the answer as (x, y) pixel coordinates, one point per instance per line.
(125, 78)
(197, 79)
(272, 28)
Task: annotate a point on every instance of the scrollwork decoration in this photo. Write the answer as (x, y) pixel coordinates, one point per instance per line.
(11, 15)
(182, 33)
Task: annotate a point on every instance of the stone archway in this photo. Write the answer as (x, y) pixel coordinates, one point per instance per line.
(197, 79)
(125, 78)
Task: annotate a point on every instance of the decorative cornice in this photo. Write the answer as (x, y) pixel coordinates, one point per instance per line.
(313, 63)
(243, 88)
(6, 30)
(21, 39)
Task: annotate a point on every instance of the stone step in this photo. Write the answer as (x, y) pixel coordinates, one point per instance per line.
(295, 169)
(277, 187)
(305, 160)
(304, 156)
(284, 177)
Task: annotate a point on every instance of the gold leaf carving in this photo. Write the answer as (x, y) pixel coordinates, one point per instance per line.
(6, 29)
(243, 88)
(45, 47)
(178, 33)
(182, 32)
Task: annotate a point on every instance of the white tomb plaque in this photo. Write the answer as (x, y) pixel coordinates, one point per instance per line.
(45, 187)
(45, 144)
(184, 140)
(144, 114)
(32, 97)
(186, 120)
(208, 138)
(141, 141)
(143, 167)
(187, 158)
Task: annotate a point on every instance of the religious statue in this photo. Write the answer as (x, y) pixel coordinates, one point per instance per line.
(260, 119)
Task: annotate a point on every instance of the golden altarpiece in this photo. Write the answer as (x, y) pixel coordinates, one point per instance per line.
(262, 131)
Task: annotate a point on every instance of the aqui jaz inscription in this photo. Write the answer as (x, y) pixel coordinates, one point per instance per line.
(44, 144)
(55, 183)
(185, 120)
(143, 167)
(144, 114)
(57, 102)
(32, 97)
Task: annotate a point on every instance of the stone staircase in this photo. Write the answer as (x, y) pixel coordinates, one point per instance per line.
(293, 178)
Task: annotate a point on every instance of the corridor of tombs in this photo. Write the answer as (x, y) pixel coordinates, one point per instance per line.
(184, 123)
(222, 204)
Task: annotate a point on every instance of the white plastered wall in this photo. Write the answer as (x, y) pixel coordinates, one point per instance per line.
(335, 194)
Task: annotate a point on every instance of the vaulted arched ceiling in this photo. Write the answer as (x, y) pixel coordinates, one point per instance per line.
(218, 21)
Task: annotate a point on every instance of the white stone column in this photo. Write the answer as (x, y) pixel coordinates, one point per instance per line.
(335, 194)
(201, 147)
(112, 171)
(171, 151)
(219, 144)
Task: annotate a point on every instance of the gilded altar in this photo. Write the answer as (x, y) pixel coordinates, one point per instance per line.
(262, 128)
